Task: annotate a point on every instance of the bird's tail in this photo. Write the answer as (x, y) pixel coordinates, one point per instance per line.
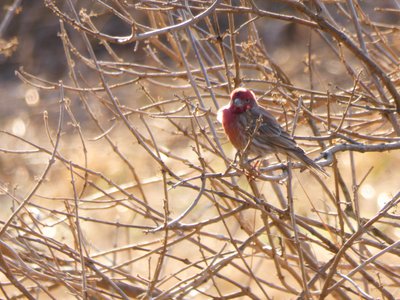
(309, 163)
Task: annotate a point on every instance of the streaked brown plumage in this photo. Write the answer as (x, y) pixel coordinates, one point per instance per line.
(244, 120)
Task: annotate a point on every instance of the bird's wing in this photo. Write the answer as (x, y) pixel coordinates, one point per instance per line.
(269, 130)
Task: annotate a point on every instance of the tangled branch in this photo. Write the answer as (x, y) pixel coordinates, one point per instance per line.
(126, 185)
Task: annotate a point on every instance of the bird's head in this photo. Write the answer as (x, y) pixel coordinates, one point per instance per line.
(242, 100)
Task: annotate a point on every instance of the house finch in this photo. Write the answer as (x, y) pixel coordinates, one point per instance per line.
(254, 130)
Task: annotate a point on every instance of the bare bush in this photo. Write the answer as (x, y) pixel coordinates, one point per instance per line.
(118, 182)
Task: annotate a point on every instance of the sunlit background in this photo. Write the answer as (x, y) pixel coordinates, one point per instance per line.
(113, 181)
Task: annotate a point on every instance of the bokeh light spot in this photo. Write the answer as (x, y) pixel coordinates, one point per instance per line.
(367, 191)
(32, 97)
(383, 198)
(18, 127)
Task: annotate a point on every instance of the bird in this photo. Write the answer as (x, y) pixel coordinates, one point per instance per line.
(253, 130)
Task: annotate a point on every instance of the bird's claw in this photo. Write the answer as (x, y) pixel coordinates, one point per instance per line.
(250, 171)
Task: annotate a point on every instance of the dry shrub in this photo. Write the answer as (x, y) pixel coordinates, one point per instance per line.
(118, 182)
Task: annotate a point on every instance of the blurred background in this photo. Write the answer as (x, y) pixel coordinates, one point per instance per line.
(117, 180)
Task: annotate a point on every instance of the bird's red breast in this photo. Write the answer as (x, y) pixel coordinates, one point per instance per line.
(231, 124)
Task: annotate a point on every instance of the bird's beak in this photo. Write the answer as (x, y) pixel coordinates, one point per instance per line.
(237, 102)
